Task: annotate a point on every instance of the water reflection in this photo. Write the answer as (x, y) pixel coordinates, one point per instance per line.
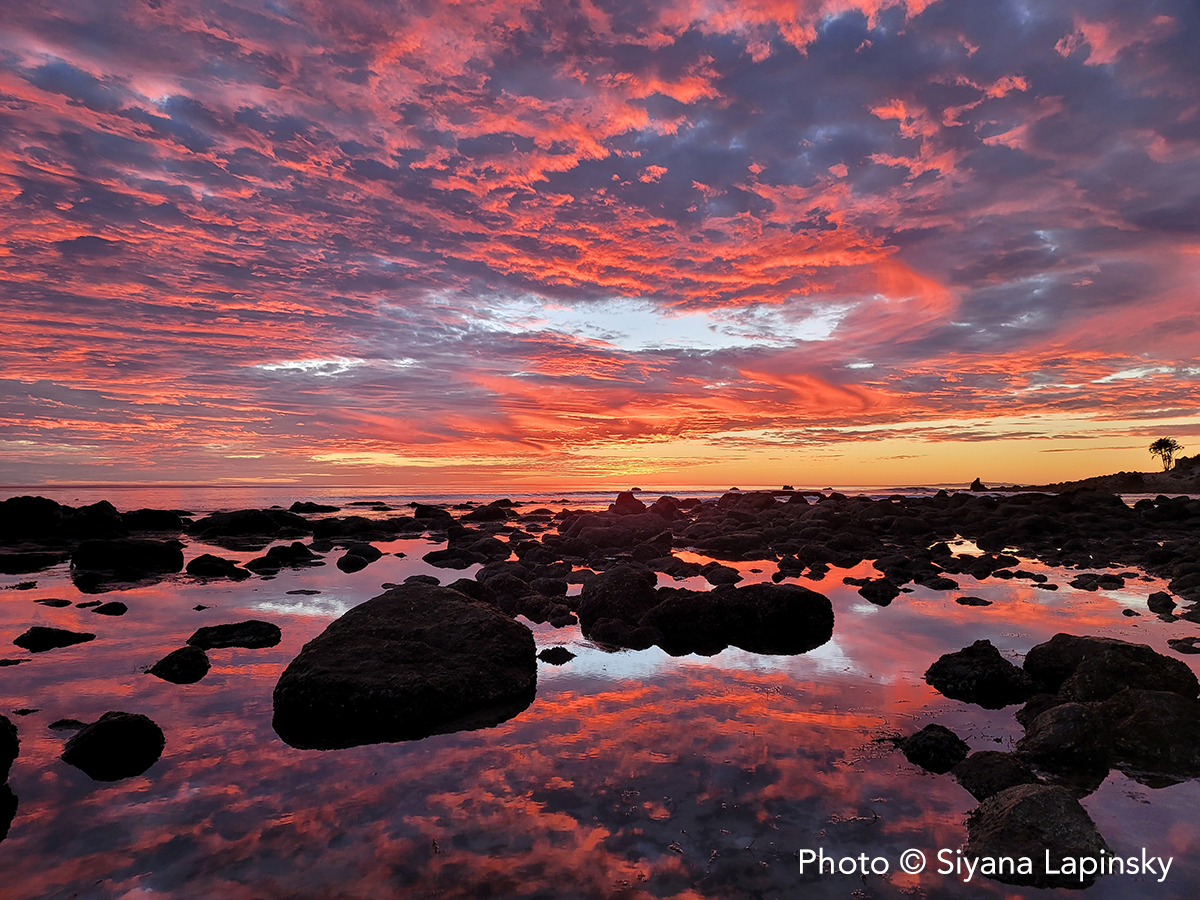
(633, 774)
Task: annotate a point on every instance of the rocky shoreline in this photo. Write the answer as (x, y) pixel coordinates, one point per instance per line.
(425, 659)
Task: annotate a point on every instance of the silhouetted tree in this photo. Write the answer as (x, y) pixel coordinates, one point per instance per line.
(1165, 449)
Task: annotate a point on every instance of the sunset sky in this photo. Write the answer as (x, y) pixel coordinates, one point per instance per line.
(850, 242)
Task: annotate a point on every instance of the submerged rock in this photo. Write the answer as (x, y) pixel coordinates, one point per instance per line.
(979, 674)
(934, 748)
(415, 661)
(40, 638)
(118, 745)
(1033, 820)
(187, 665)
(252, 634)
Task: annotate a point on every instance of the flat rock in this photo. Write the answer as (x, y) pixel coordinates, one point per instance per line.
(54, 602)
(556, 656)
(972, 601)
(979, 674)
(187, 665)
(412, 662)
(1032, 820)
(934, 748)
(988, 772)
(40, 638)
(112, 608)
(118, 745)
(252, 634)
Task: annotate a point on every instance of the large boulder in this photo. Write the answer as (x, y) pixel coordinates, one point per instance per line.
(988, 772)
(412, 662)
(1068, 737)
(979, 674)
(620, 593)
(1154, 731)
(1095, 668)
(1033, 821)
(118, 745)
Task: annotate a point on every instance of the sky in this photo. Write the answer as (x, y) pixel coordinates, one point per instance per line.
(597, 242)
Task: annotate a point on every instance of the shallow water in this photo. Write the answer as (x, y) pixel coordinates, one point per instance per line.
(633, 774)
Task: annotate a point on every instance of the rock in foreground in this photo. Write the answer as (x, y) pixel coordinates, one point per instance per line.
(118, 745)
(415, 661)
(1035, 821)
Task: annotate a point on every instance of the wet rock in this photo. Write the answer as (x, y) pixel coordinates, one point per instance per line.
(760, 618)
(492, 512)
(1069, 736)
(1161, 602)
(972, 601)
(66, 725)
(620, 593)
(1154, 731)
(556, 656)
(209, 566)
(10, 746)
(1184, 645)
(616, 634)
(252, 634)
(415, 661)
(454, 558)
(293, 556)
(90, 604)
(186, 665)
(39, 638)
(22, 563)
(979, 674)
(118, 745)
(152, 520)
(934, 748)
(988, 772)
(1094, 668)
(1032, 820)
(11, 662)
(54, 602)
(716, 574)
(260, 524)
(1035, 706)
(939, 583)
(359, 556)
(113, 608)
(98, 562)
(978, 485)
(422, 579)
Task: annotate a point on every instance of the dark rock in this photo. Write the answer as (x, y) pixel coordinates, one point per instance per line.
(1184, 645)
(880, 591)
(39, 638)
(54, 602)
(10, 746)
(1094, 668)
(26, 711)
(11, 662)
(118, 745)
(627, 504)
(716, 574)
(252, 634)
(1154, 731)
(1161, 602)
(359, 556)
(977, 485)
(66, 725)
(1034, 820)
(96, 562)
(30, 518)
(152, 520)
(934, 748)
(407, 664)
(186, 665)
(454, 558)
(113, 608)
(620, 593)
(8, 809)
(1035, 706)
(972, 601)
(476, 590)
(90, 604)
(250, 523)
(988, 772)
(619, 634)
(979, 674)
(939, 583)
(308, 506)
(422, 579)
(22, 563)
(556, 656)
(209, 566)
(493, 512)
(1067, 736)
